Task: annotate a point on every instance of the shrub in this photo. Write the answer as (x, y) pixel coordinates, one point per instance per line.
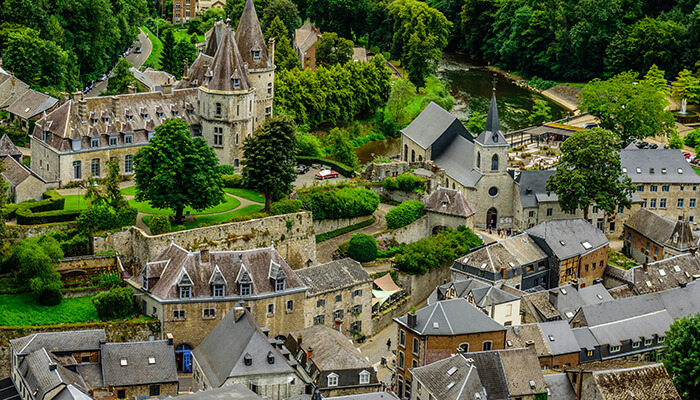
(50, 297)
(540, 84)
(103, 217)
(285, 206)
(48, 210)
(118, 302)
(232, 181)
(109, 279)
(339, 203)
(18, 137)
(675, 142)
(692, 138)
(226, 170)
(309, 145)
(362, 247)
(160, 224)
(409, 182)
(404, 214)
(390, 183)
(421, 256)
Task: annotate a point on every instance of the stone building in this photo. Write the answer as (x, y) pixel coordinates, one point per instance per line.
(305, 38)
(189, 292)
(224, 96)
(669, 273)
(339, 296)
(184, 10)
(447, 208)
(498, 304)
(554, 343)
(336, 367)
(561, 303)
(438, 330)
(649, 236)
(239, 352)
(23, 183)
(29, 107)
(610, 381)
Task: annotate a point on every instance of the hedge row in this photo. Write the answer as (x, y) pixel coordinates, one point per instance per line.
(46, 211)
(330, 235)
(285, 206)
(232, 181)
(347, 202)
(336, 166)
(405, 182)
(404, 214)
(421, 256)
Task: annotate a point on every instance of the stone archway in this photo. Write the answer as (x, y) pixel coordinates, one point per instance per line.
(438, 229)
(491, 217)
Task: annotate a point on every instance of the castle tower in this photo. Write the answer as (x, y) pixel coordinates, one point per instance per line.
(260, 60)
(491, 147)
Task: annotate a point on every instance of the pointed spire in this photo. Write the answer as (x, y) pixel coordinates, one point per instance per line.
(249, 37)
(492, 123)
(226, 72)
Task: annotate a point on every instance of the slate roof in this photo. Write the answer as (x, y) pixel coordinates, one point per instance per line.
(333, 275)
(491, 373)
(249, 37)
(450, 202)
(461, 289)
(677, 168)
(226, 66)
(527, 335)
(485, 297)
(665, 274)
(457, 160)
(585, 338)
(31, 103)
(8, 391)
(650, 382)
(451, 317)
(221, 354)
(531, 184)
(675, 234)
(332, 351)
(214, 37)
(58, 342)
(364, 396)
(559, 338)
(634, 328)
(559, 387)
(431, 124)
(522, 368)
(11, 89)
(36, 369)
(151, 362)
(7, 148)
(569, 299)
(492, 135)
(519, 250)
(14, 172)
(196, 73)
(175, 262)
(452, 378)
(228, 392)
(566, 237)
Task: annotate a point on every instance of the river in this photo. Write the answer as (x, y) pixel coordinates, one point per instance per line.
(471, 84)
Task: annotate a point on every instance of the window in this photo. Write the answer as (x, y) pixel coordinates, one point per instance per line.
(653, 188)
(682, 188)
(338, 298)
(364, 377)
(45, 135)
(338, 314)
(648, 342)
(77, 170)
(478, 160)
(179, 314)
(589, 353)
(218, 108)
(95, 167)
(357, 292)
(236, 83)
(656, 252)
(635, 345)
(679, 204)
(319, 319)
(94, 142)
(154, 390)
(493, 191)
(464, 347)
(218, 290)
(401, 360)
(144, 282)
(494, 163)
(550, 211)
(402, 338)
(356, 327)
(279, 285)
(691, 203)
(665, 188)
(269, 88)
(128, 139)
(487, 345)
(218, 136)
(415, 346)
(652, 203)
(662, 203)
(128, 164)
(185, 292)
(332, 380)
(356, 309)
(290, 305)
(321, 303)
(244, 289)
(270, 309)
(209, 313)
(268, 112)
(640, 188)
(531, 214)
(614, 349)
(121, 394)
(661, 339)
(112, 140)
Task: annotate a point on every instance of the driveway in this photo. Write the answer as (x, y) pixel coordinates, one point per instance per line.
(309, 179)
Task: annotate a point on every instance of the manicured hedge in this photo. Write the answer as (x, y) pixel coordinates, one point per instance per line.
(334, 203)
(362, 247)
(232, 181)
(336, 166)
(404, 214)
(330, 235)
(118, 302)
(405, 182)
(285, 206)
(421, 256)
(46, 211)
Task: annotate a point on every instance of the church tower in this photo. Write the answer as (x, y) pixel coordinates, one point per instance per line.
(491, 147)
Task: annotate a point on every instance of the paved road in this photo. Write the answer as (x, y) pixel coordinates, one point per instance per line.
(134, 58)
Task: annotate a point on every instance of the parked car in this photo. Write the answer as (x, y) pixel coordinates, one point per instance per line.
(653, 146)
(686, 154)
(302, 169)
(102, 77)
(326, 174)
(137, 50)
(589, 125)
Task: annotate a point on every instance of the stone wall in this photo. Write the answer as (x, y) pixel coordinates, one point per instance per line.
(73, 268)
(378, 172)
(395, 195)
(420, 229)
(292, 234)
(119, 331)
(420, 286)
(387, 318)
(25, 231)
(328, 225)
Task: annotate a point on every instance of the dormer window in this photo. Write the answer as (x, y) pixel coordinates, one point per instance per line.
(248, 359)
(333, 379)
(270, 358)
(128, 139)
(279, 285)
(277, 276)
(112, 140)
(94, 142)
(184, 284)
(105, 120)
(245, 282)
(218, 290)
(93, 120)
(185, 292)
(45, 135)
(159, 114)
(190, 111)
(236, 83)
(244, 289)
(364, 378)
(144, 281)
(176, 113)
(256, 55)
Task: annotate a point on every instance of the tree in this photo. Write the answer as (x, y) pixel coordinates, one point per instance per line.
(345, 17)
(285, 10)
(175, 170)
(195, 26)
(395, 112)
(342, 150)
(675, 142)
(655, 77)
(285, 56)
(269, 158)
(234, 9)
(121, 79)
(362, 247)
(541, 113)
(332, 49)
(627, 106)
(686, 87)
(476, 123)
(590, 172)
(168, 57)
(185, 51)
(215, 14)
(475, 15)
(35, 259)
(309, 145)
(653, 41)
(682, 355)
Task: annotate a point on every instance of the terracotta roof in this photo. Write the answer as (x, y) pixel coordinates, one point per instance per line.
(449, 201)
(250, 38)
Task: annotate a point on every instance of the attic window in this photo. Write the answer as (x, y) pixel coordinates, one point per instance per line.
(651, 170)
(511, 264)
(270, 358)
(599, 297)
(248, 360)
(45, 135)
(563, 291)
(624, 169)
(532, 384)
(680, 170)
(451, 371)
(483, 266)
(449, 385)
(677, 268)
(123, 362)
(151, 360)
(586, 245)
(436, 325)
(649, 283)
(510, 344)
(256, 55)
(663, 170)
(236, 83)
(561, 242)
(569, 315)
(551, 338)
(639, 170)
(662, 272)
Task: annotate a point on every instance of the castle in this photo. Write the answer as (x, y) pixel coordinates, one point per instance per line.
(224, 96)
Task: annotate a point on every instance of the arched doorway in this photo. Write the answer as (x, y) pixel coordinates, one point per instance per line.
(183, 357)
(491, 217)
(438, 229)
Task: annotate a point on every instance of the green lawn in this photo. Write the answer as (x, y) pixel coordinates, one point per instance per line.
(129, 191)
(246, 194)
(22, 310)
(207, 219)
(153, 59)
(229, 203)
(697, 170)
(183, 35)
(75, 202)
(432, 85)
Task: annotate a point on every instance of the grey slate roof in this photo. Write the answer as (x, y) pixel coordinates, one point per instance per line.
(674, 234)
(648, 382)
(452, 378)
(635, 328)
(519, 250)
(226, 66)
(559, 338)
(151, 362)
(228, 392)
(70, 392)
(451, 317)
(485, 297)
(665, 274)
(431, 124)
(492, 135)
(677, 168)
(450, 202)
(221, 354)
(31, 103)
(460, 288)
(493, 378)
(39, 376)
(7, 148)
(569, 299)
(57, 342)
(531, 184)
(457, 160)
(566, 237)
(365, 396)
(332, 351)
(11, 89)
(8, 391)
(559, 387)
(249, 37)
(585, 338)
(333, 275)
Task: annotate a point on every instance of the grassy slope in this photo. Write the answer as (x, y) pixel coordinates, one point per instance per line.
(22, 309)
(246, 194)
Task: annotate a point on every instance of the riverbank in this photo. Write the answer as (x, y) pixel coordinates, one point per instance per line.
(550, 93)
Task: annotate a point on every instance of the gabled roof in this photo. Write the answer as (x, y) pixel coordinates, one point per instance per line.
(634, 328)
(485, 297)
(492, 135)
(214, 37)
(450, 202)
(569, 298)
(533, 183)
(569, 237)
(675, 234)
(31, 103)
(59, 342)
(451, 317)
(7, 148)
(648, 382)
(332, 351)
(509, 253)
(522, 372)
(42, 373)
(527, 335)
(11, 89)
(138, 363)
(559, 387)
(457, 159)
(452, 378)
(665, 274)
(668, 165)
(250, 38)
(333, 275)
(433, 122)
(559, 337)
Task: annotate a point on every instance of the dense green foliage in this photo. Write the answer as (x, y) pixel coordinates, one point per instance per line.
(405, 182)
(421, 256)
(338, 167)
(332, 49)
(404, 214)
(332, 94)
(342, 150)
(682, 355)
(590, 173)
(330, 235)
(159, 224)
(18, 137)
(309, 145)
(284, 10)
(34, 259)
(73, 242)
(285, 56)
(232, 181)
(117, 302)
(675, 141)
(48, 210)
(122, 78)
(333, 203)
(692, 138)
(285, 206)
(541, 113)
(107, 208)
(362, 247)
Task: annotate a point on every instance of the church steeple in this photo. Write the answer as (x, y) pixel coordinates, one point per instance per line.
(492, 135)
(250, 38)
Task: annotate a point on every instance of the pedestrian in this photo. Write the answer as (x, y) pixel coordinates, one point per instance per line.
(388, 344)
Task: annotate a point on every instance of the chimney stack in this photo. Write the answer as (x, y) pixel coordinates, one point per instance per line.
(131, 89)
(271, 50)
(204, 255)
(169, 336)
(299, 340)
(52, 366)
(309, 353)
(64, 98)
(82, 109)
(554, 297)
(645, 266)
(167, 88)
(115, 107)
(411, 319)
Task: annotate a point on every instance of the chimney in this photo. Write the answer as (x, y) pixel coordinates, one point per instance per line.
(64, 98)
(131, 89)
(77, 96)
(309, 353)
(271, 50)
(299, 340)
(411, 319)
(554, 298)
(238, 312)
(645, 266)
(169, 336)
(115, 106)
(167, 88)
(204, 255)
(52, 366)
(186, 70)
(503, 273)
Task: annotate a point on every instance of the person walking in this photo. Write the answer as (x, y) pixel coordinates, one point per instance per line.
(388, 344)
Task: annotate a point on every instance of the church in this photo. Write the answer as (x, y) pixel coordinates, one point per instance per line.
(223, 96)
(476, 167)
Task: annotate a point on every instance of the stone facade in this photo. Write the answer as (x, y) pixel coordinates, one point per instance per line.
(144, 391)
(664, 200)
(184, 10)
(379, 172)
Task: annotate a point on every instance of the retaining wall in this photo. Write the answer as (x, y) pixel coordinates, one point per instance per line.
(328, 225)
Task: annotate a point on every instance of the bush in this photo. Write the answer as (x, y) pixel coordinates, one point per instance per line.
(285, 206)
(404, 214)
(160, 224)
(49, 210)
(50, 297)
(362, 247)
(102, 217)
(109, 279)
(335, 165)
(309, 145)
(540, 84)
(225, 169)
(675, 141)
(421, 256)
(330, 235)
(232, 181)
(692, 138)
(406, 182)
(336, 203)
(116, 303)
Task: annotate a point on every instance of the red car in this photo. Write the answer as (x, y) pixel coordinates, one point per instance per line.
(326, 174)
(686, 154)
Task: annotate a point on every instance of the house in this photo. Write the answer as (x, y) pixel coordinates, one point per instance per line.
(184, 10)
(204, 5)
(29, 107)
(498, 304)
(339, 295)
(649, 236)
(152, 80)
(517, 261)
(453, 378)
(11, 88)
(336, 367)
(666, 274)
(23, 183)
(221, 99)
(447, 208)
(562, 302)
(611, 381)
(305, 39)
(438, 330)
(239, 352)
(190, 291)
(559, 387)
(578, 250)
(509, 374)
(553, 342)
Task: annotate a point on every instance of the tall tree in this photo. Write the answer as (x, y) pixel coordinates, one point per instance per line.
(475, 15)
(185, 51)
(285, 10)
(541, 113)
(269, 157)
(332, 49)
(342, 150)
(285, 56)
(682, 355)
(168, 57)
(345, 17)
(590, 173)
(35, 259)
(686, 87)
(175, 170)
(121, 78)
(395, 112)
(630, 107)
